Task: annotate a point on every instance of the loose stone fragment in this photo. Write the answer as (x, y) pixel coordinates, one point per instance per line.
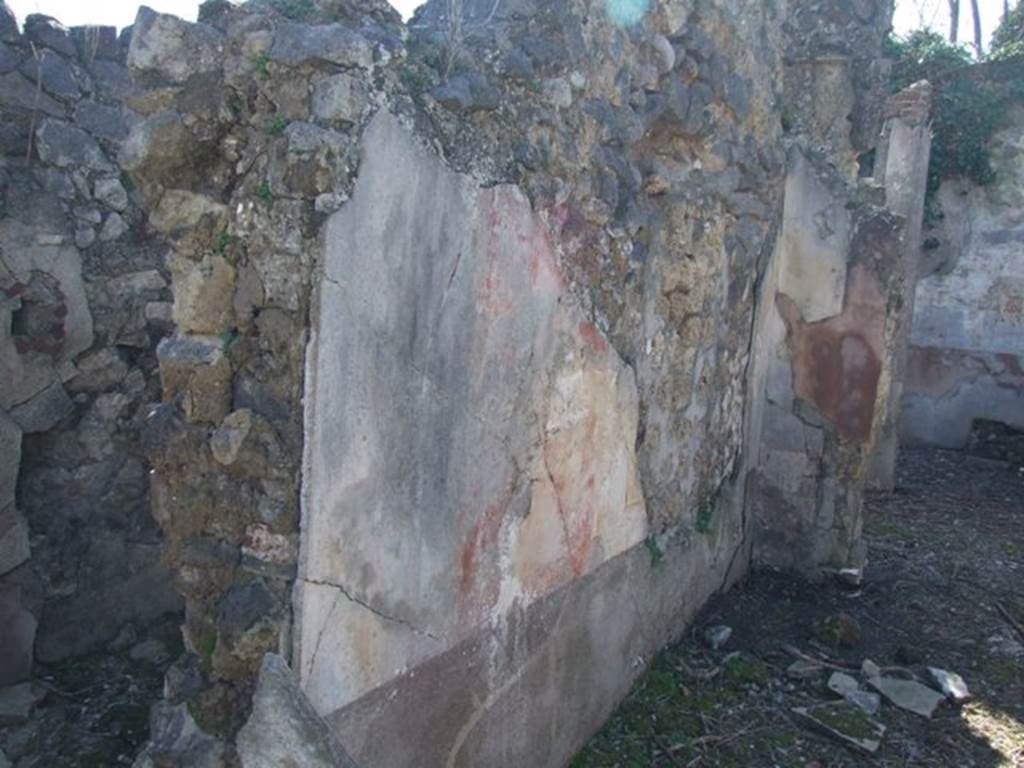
(870, 703)
(18, 701)
(908, 695)
(852, 577)
(717, 636)
(846, 723)
(869, 669)
(174, 735)
(842, 684)
(950, 683)
(284, 729)
(802, 670)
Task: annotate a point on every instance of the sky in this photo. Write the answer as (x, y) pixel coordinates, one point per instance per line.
(910, 14)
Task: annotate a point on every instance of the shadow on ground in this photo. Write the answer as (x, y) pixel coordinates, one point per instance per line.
(93, 711)
(943, 588)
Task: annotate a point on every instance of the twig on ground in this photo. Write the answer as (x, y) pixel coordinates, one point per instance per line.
(714, 738)
(666, 750)
(54, 689)
(1010, 620)
(815, 660)
(952, 576)
(702, 676)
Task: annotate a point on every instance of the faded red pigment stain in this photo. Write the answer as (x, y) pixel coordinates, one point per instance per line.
(513, 242)
(837, 362)
(483, 537)
(937, 371)
(576, 501)
(593, 338)
(544, 271)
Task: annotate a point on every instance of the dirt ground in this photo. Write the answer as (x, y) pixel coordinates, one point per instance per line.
(946, 556)
(93, 711)
(943, 588)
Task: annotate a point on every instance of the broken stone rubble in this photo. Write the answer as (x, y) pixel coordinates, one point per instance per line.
(908, 694)
(951, 684)
(284, 727)
(18, 701)
(846, 723)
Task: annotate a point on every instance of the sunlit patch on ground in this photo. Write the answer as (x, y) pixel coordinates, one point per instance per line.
(1005, 734)
(944, 587)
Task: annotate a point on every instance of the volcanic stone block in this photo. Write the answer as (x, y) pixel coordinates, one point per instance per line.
(195, 368)
(284, 728)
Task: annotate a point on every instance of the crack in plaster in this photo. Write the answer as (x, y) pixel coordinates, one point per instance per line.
(323, 631)
(375, 611)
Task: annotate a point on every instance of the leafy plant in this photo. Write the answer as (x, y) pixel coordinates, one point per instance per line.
(228, 339)
(264, 193)
(222, 242)
(654, 549)
(1008, 39)
(704, 518)
(275, 125)
(963, 114)
(260, 64)
(296, 10)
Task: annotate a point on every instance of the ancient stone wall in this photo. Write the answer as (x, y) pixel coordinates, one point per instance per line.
(84, 296)
(965, 361)
(496, 346)
(831, 332)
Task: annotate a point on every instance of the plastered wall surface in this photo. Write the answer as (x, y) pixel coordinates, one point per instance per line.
(967, 341)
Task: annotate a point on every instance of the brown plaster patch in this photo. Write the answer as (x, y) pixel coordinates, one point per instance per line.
(837, 362)
(938, 371)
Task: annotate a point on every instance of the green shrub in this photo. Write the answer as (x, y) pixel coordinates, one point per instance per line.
(296, 10)
(1008, 39)
(275, 125)
(964, 111)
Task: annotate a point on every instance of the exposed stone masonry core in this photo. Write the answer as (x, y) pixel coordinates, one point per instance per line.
(491, 356)
(84, 298)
